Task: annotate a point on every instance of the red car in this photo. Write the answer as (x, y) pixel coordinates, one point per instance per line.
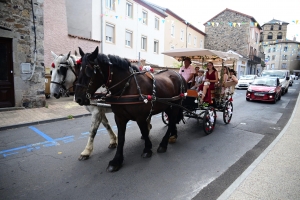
(264, 89)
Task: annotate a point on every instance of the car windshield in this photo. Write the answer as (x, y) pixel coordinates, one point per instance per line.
(265, 82)
(247, 77)
(273, 74)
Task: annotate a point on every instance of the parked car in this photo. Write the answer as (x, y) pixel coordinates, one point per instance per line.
(264, 89)
(245, 81)
(296, 77)
(291, 81)
(293, 77)
(283, 75)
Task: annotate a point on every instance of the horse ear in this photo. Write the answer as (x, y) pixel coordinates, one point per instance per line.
(94, 55)
(81, 52)
(68, 55)
(54, 55)
(76, 53)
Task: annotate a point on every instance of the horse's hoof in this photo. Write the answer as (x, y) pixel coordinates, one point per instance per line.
(111, 168)
(83, 157)
(147, 155)
(161, 150)
(172, 139)
(112, 146)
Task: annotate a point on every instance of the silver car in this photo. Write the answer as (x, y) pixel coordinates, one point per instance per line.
(245, 81)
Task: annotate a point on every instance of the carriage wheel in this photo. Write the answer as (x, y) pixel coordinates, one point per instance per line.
(209, 120)
(227, 113)
(165, 118)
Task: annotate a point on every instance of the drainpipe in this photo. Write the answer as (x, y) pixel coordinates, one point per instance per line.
(101, 27)
(186, 38)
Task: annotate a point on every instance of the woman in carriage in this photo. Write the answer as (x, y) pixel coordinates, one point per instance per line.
(211, 77)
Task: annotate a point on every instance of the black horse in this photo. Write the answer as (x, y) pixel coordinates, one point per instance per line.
(133, 96)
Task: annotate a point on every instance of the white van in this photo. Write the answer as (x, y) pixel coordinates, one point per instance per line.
(283, 75)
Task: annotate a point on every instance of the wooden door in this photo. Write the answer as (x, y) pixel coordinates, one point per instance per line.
(7, 94)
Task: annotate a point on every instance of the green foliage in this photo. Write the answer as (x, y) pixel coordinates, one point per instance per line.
(70, 117)
(177, 64)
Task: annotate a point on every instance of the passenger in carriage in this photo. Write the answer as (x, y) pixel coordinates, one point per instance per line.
(232, 78)
(187, 71)
(199, 79)
(211, 77)
(225, 79)
(195, 76)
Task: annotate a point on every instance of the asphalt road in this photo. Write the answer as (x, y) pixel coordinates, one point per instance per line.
(40, 162)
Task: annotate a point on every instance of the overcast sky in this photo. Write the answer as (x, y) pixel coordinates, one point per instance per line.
(198, 12)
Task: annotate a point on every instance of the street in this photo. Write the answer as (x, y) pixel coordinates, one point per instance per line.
(40, 162)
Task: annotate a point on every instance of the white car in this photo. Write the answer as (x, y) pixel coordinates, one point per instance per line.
(245, 81)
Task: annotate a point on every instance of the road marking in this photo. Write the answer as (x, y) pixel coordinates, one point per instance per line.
(41, 133)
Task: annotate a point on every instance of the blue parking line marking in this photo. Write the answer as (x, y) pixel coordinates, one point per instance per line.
(41, 133)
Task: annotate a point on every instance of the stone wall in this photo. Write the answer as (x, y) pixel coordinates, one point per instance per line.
(225, 37)
(16, 17)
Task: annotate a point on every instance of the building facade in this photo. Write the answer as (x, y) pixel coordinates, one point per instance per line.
(22, 73)
(232, 30)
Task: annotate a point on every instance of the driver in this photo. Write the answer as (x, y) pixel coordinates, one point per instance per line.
(187, 71)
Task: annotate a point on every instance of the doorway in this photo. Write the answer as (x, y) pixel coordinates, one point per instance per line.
(7, 94)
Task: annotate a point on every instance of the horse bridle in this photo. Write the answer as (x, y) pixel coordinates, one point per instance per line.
(66, 65)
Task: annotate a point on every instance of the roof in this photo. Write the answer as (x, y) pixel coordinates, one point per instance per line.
(168, 11)
(275, 21)
(84, 38)
(287, 41)
(151, 7)
(227, 9)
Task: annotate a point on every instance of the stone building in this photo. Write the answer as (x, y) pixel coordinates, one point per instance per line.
(232, 30)
(22, 73)
(274, 30)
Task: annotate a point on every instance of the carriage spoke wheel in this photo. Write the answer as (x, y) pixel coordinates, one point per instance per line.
(209, 120)
(227, 113)
(165, 118)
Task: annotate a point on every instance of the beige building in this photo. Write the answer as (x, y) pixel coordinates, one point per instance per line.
(274, 30)
(282, 54)
(179, 33)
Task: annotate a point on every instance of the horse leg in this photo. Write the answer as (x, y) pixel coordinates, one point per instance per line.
(112, 135)
(116, 163)
(149, 127)
(144, 127)
(96, 120)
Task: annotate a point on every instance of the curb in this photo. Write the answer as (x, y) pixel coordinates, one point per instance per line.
(41, 122)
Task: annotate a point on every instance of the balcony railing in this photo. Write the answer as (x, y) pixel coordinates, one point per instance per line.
(254, 59)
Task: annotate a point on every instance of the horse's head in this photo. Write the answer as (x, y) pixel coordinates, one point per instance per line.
(93, 73)
(63, 74)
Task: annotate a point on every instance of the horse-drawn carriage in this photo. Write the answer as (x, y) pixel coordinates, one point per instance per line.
(221, 102)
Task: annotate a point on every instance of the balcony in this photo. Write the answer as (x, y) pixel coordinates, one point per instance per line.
(254, 59)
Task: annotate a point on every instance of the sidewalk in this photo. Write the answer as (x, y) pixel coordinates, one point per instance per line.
(56, 109)
(275, 174)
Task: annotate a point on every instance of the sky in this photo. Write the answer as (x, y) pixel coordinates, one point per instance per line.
(197, 12)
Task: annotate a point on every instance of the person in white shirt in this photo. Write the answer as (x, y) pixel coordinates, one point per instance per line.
(187, 71)
(199, 79)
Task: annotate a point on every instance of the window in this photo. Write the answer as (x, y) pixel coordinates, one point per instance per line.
(273, 66)
(145, 17)
(156, 26)
(279, 35)
(279, 27)
(269, 50)
(284, 57)
(144, 43)
(283, 66)
(156, 46)
(270, 36)
(268, 58)
(172, 30)
(128, 38)
(273, 57)
(195, 41)
(256, 38)
(274, 49)
(201, 42)
(271, 28)
(129, 9)
(189, 38)
(181, 35)
(109, 4)
(285, 49)
(110, 32)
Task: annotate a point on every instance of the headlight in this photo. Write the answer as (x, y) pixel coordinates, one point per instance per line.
(272, 91)
(249, 90)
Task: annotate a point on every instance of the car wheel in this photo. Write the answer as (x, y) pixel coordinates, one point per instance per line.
(287, 89)
(279, 97)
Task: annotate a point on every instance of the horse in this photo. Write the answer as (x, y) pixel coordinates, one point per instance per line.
(64, 73)
(133, 96)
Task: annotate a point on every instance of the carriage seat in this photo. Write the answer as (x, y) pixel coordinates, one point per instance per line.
(192, 93)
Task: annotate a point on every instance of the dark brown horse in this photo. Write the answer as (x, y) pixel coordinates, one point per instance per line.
(133, 96)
